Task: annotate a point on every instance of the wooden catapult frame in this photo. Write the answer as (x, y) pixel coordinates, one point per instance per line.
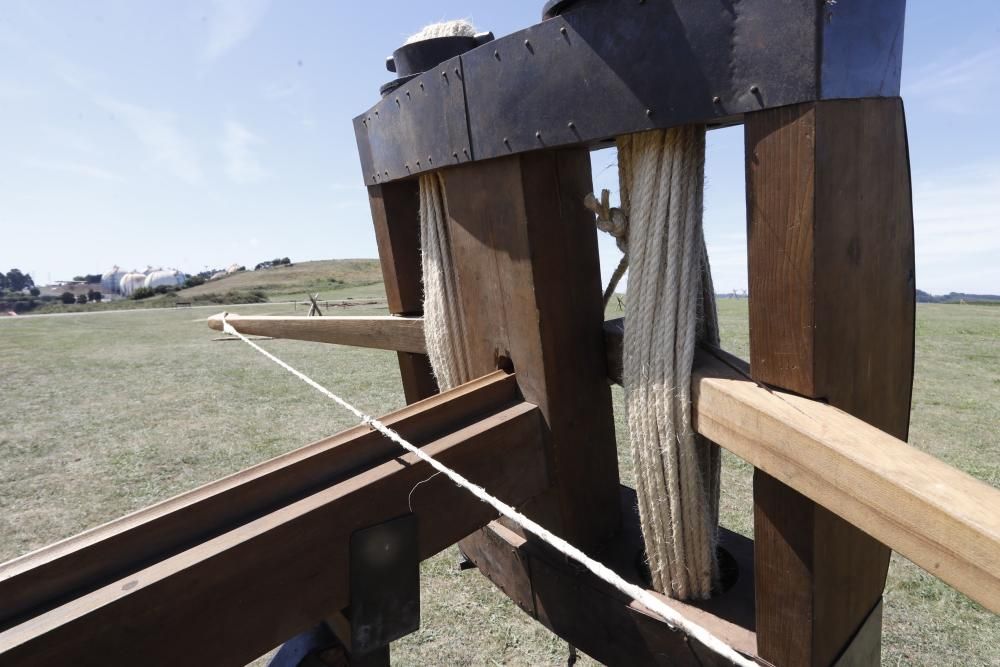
(222, 574)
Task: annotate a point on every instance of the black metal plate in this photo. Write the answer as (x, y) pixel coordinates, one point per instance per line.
(603, 69)
(420, 126)
(385, 584)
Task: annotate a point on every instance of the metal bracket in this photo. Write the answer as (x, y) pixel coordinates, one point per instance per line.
(385, 584)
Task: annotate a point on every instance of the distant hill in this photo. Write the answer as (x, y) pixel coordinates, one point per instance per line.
(319, 276)
(956, 297)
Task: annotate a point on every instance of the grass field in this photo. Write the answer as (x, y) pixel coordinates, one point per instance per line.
(104, 413)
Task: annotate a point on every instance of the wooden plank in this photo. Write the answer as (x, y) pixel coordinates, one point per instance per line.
(403, 334)
(598, 619)
(396, 215)
(831, 282)
(942, 519)
(91, 559)
(525, 253)
(231, 598)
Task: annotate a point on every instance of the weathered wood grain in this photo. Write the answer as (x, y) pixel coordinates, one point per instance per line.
(395, 211)
(403, 334)
(525, 254)
(229, 599)
(42, 579)
(830, 233)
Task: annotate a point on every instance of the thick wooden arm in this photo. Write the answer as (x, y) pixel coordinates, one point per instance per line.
(942, 519)
(403, 334)
(223, 573)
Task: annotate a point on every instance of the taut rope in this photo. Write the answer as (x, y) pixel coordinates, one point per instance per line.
(670, 615)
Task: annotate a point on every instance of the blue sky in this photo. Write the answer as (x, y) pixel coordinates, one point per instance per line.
(193, 134)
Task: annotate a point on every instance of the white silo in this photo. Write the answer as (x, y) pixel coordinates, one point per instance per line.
(130, 282)
(164, 277)
(111, 280)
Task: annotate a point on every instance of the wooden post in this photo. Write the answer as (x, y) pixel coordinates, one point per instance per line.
(525, 252)
(396, 214)
(831, 316)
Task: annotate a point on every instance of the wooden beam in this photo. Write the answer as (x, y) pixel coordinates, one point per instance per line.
(598, 619)
(942, 519)
(830, 236)
(43, 578)
(524, 249)
(229, 599)
(403, 334)
(396, 215)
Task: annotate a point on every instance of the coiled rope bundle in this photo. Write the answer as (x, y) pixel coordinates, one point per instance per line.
(670, 307)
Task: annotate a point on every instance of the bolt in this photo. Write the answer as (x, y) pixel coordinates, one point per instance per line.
(496, 54)
(407, 93)
(506, 142)
(466, 151)
(455, 155)
(527, 44)
(754, 90)
(538, 135)
(444, 74)
(376, 113)
(716, 100)
(387, 174)
(571, 125)
(397, 101)
(418, 164)
(421, 86)
(649, 112)
(563, 30)
(456, 71)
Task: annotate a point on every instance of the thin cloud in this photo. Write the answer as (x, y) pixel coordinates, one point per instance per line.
(157, 131)
(242, 165)
(75, 168)
(955, 221)
(944, 82)
(231, 22)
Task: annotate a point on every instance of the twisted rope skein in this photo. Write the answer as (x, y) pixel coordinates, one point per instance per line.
(671, 305)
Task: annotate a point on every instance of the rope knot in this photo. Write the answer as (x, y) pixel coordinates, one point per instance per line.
(609, 219)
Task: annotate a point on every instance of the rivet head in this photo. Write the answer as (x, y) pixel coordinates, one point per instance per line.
(563, 30)
(496, 54)
(466, 151)
(397, 101)
(538, 134)
(754, 89)
(456, 71)
(527, 43)
(649, 112)
(571, 125)
(716, 100)
(455, 155)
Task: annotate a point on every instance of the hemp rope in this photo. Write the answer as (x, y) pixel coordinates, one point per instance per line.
(671, 616)
(671, 306)
(444, 319)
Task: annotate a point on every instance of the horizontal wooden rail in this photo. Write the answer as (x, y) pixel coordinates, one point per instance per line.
(942, 519)
(230, 598)
(403, 334)
(45, 578)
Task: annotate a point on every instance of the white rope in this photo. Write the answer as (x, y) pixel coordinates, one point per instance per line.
(671, 616)
(671, 305)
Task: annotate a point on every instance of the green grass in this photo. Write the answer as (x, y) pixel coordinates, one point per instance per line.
(102, 414)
